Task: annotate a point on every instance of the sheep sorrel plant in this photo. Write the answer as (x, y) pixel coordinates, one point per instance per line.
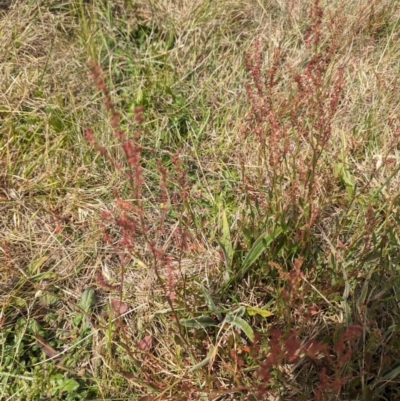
(229, 230)
(143, 240)
(307, 211)
(293, 126)
(311, 235)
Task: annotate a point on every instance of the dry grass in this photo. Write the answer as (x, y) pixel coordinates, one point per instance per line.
(89, 317)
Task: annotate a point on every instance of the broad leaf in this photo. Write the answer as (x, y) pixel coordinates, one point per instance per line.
(200, 322)
(210, 303)
(252, 310)
(240, 324)
(146, 343)
(69, 385)
(262, 243)
(88, 299)
(119, 307)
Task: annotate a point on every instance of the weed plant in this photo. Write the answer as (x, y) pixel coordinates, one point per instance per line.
(199, 231)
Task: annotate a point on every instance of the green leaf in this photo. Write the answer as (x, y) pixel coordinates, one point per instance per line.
(204, 362)
(341, 169)
(211, 304)
(240, 311)
(69, 385)
(252, 311)
(391, 375)
(88, 299)
(343, 173)
(61, 384)
(386, 182)
(226, 237)
(226, 244)
(241, 324)
(226, 261)
(262, 243)
(198, 322)
(77, 320)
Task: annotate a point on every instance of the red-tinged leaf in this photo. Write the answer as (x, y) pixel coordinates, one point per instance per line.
(46, 348)
(120, 324)
(129, 376)
(119, 307)
(146, 343)
(103, 283)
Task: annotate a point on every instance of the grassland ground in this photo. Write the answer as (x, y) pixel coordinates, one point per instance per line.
(199, 200)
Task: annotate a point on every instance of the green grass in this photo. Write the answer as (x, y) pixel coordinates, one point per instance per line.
(260, 257)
